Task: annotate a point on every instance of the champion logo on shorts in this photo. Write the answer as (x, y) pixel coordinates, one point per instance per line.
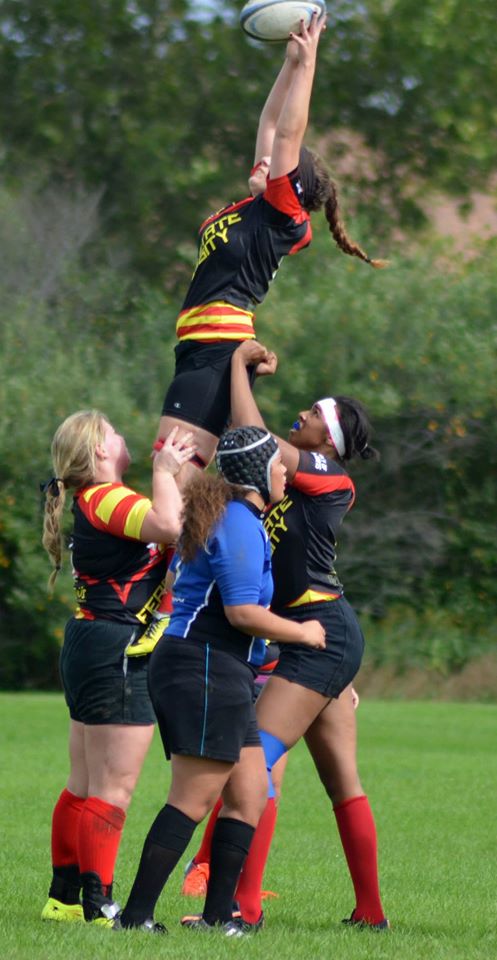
(320, 461)
(177, 405)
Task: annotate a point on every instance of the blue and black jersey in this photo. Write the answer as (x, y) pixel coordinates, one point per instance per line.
(234, 569)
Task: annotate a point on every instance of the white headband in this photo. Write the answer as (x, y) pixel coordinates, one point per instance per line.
(330, 416)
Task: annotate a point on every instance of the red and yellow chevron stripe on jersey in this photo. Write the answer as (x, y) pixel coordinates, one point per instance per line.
(313, 596)
(115, 508)
(215, 321)
(116, 576)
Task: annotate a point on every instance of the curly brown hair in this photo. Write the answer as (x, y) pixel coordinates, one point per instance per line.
(204, 502)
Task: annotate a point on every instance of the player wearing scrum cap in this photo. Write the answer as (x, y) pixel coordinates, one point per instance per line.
(201, 675)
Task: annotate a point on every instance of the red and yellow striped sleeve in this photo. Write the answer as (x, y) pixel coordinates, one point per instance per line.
(115, 508)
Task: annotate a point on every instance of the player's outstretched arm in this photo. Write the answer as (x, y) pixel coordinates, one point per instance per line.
(294, 113)
(272, 108)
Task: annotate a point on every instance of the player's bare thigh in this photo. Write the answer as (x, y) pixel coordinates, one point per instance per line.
(204, 442)
(287, 710)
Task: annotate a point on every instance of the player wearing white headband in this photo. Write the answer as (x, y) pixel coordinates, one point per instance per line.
(328, 408)
(309, 693)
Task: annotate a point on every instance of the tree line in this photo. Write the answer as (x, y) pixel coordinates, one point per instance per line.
(155, 104)
(120, 131)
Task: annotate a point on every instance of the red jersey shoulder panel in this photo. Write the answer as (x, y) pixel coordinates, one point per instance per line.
(316, 475)
(285, 194)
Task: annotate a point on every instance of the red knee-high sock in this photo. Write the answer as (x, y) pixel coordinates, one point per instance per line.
(203, 854)
(100, 829)
(248, 892)
(165, 607)
(166, 601)
(65, 826)
(358, 835)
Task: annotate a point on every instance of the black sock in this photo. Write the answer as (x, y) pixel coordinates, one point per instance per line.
(94, 895)
(230, 844)
(66, 884)
(167, 840)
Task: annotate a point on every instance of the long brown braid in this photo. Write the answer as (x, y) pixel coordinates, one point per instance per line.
(324, 195)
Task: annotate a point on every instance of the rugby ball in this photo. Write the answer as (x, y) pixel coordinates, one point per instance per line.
(276, 19)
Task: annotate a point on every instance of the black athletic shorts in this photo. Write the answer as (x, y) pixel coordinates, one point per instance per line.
(203, 698)
(271, 655)
(100, 684)
(330, 670)
(200, 390)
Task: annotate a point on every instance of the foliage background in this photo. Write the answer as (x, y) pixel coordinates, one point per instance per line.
(123, 124)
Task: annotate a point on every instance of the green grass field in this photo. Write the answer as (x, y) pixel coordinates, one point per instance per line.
(430, 772)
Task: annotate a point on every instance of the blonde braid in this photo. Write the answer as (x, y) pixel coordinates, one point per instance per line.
(74, 460)
(52, 538)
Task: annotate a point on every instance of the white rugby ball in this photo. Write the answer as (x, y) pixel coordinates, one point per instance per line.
(276, 19)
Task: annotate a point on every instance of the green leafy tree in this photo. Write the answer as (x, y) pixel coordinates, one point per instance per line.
(417, 345)
(155, 104)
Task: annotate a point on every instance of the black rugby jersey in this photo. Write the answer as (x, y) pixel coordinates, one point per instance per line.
(302, 530)
(240, 250)
(116, 576)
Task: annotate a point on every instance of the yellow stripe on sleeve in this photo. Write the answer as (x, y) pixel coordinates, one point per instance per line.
(110, 501)
(119, 508)
(135, 518)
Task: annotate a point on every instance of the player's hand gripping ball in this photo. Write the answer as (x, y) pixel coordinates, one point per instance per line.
(276, 19)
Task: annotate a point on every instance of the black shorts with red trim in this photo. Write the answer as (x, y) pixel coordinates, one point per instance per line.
(203, 699)
(200, 391)
(330, 670)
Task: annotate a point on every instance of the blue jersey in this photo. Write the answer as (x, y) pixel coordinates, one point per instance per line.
(234, 569)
